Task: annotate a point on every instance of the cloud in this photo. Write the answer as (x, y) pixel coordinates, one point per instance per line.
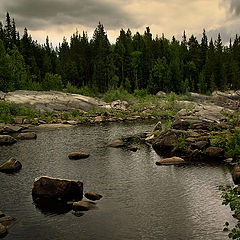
(37, 15)
(234, 7)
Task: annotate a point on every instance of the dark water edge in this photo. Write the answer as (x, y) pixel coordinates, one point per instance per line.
(141, 200)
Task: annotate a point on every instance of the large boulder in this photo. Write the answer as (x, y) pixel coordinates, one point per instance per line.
(11, 165)
(7, 140)
(57, 189)
(166, 140)
(170, 161)
(77, 155)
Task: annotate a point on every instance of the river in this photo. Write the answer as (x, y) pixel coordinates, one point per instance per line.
(140, 200)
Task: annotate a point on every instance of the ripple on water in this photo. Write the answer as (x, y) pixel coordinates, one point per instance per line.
(141, 200)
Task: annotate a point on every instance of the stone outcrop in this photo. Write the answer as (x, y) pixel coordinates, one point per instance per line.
(52, 100)
(93, 196)
(77, 155)
(57, 189)
(170, 161)
(7, 140)
(11, 165)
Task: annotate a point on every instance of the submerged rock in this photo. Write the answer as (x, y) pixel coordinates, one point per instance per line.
(77, 155)
(93, 196)
(11, 165)
(57, 189)
(170, 161)
(7, 139)
(117, 144)
(3, 231)
(7, 221)
(83, 206)
(27, 136)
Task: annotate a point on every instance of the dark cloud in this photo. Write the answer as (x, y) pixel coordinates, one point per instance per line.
(37, 15)
(233, 6)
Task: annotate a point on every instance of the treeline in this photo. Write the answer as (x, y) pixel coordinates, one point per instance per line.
(133, 62)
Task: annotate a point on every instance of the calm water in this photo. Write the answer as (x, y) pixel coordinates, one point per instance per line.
(141, 200)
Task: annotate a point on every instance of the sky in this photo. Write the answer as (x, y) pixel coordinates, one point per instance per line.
(59, 18)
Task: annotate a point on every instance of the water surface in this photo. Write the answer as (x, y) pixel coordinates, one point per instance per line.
(141, 200)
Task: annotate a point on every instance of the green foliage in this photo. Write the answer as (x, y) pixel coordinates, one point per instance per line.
(52, 82)
(229, 141)
(10, 110)
(181, 143)
(233, 145)
(118, 94)
(231, 197)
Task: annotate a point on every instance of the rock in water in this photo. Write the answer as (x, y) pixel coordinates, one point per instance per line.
(7, 139)
(236, 174)
(27, 135)
(93, 196)
(3, 231)
(57, 189)
(117, 144)
(78, 155)
(11, 165)
(170, 161)
(83, 206)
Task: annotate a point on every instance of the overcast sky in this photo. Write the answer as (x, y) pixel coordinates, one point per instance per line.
(58, 18)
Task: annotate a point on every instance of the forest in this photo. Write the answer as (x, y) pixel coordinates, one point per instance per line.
(134, 62)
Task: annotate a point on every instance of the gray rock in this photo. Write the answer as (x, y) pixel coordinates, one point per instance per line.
(57, 189)
(12, 129)
(93, 196)
(27, 136)
(120, 105)
(77, 155)
(161, 94)
(53, 100)
(11, 165)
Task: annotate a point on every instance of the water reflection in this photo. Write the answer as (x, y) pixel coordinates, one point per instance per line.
(140, 200)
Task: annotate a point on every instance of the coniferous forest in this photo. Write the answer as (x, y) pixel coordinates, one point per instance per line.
(133, 62)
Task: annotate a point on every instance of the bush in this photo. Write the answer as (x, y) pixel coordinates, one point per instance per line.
(118, 94)
(52, 82)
